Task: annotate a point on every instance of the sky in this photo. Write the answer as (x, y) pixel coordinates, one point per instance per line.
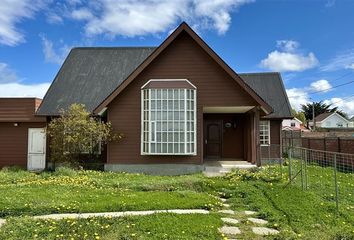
(311, 42)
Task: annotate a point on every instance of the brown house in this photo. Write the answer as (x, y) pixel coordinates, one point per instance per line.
(178, 105)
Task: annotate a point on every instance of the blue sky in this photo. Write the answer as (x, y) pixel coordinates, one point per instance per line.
(310, 42)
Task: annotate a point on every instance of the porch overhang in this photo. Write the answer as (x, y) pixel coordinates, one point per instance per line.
(227, 109)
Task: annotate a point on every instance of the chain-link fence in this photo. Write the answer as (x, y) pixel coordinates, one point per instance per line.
(327, 174)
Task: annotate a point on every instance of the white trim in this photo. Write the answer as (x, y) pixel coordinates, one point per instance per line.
(142, 122)
(296, 119)
(268, 132)
(102, 111)
(168, 80)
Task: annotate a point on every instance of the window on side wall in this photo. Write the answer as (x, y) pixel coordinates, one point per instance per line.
(168, 117)
(264, 132)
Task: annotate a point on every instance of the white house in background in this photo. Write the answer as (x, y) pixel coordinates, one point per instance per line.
(331, 120)
(351, 122)
(292, 124)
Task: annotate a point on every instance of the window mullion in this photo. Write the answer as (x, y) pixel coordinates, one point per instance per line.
(185, 121)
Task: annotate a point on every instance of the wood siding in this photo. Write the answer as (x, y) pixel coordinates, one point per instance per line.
(14, 143)
(183, 59)
(19, 110)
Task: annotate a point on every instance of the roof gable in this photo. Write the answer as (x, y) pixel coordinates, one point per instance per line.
(184, 27)
(325, 116)
(88, 76)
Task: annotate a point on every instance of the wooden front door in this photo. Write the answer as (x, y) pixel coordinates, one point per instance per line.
(36, 148)
(213, 138)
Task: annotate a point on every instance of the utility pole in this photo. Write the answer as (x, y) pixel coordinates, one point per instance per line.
(313, 117)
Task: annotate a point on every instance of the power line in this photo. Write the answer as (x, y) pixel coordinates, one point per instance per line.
(327, 89)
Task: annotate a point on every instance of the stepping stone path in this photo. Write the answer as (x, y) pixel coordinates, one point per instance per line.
(2, 222)
(264, 231)
(227, 211)
(250, 213)
(230, 220)
(230, 230)
(258, 221)
(233, 231)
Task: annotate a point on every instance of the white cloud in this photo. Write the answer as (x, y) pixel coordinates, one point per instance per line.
(297, 97)
(50, 54)
(13, 12)
(321, 85)
(344, 104)
(7, 74)
(289, 58)
(54, 18)
(139, 18)
(343, 60)
(23, 90)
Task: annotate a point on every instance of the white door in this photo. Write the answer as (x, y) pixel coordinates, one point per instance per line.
(36, 149)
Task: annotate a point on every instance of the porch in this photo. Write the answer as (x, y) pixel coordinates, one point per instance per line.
(230, 137)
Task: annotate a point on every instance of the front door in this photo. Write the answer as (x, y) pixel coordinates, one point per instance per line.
(213, 138)
(36, 149)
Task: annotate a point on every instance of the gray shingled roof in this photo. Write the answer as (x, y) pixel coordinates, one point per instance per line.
(269, 86)
(323, 116)
(89, 75)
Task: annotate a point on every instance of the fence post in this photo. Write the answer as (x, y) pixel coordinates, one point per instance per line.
(302, 172)
(290, 170)
(306, 177)
(335, 182)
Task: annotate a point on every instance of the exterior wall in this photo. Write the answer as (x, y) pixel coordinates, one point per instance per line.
(19, 110)
(182, 59)
(13, 143)
(16, 116)
(288, 122)
(332, 122)
(274, 150)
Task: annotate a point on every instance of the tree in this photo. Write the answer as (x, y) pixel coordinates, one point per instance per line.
(299, 115)
(75, 133)
(320, 107)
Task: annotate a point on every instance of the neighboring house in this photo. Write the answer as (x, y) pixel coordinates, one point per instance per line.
(178, 105)
(330, 120)
(351, 122)
(291, 124)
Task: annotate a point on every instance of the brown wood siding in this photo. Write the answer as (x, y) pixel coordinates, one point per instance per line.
(274, 150)
(13, 143)
(19, 110)
(183, 59)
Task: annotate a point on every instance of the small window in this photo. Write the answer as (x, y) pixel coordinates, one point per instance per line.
(264, 132)
(293, 124)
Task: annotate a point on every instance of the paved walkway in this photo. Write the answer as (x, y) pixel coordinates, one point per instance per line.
(115, 214)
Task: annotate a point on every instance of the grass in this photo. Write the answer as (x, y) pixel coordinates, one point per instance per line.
(159, 226)
(297, 214)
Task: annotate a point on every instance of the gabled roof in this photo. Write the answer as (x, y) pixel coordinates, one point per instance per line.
(89, 75)
(324, 116)
(95, 76)
(269, 86)
(185, 28)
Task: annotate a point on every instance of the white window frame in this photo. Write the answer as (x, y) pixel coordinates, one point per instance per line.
(190, 145)
(266, 123)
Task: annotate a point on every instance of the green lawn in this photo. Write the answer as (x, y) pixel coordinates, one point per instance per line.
(295, 213)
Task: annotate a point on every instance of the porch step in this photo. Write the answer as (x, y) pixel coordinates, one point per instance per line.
(223, 169)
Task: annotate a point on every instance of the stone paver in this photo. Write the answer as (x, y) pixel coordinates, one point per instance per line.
(223, 199)
(258, 221)
(226, 205)
(2, 222)
(227, 211)
(230, 220)
(264, 231)
(230, 230)
(250, 212)
(120, 214)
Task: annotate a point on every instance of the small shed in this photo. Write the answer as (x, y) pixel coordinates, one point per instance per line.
(22, 133)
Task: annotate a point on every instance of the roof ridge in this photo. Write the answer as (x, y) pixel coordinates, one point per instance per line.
(259, 73)
(127, 47)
